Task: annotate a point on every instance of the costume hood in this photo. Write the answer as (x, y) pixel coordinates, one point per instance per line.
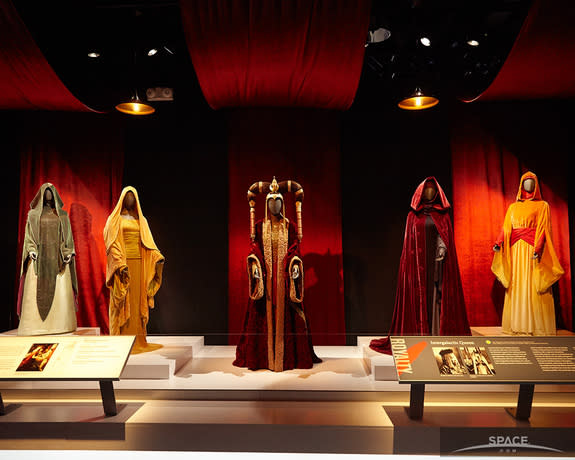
(522, 195)
(38, 201)
(112, 227)
(440, 202)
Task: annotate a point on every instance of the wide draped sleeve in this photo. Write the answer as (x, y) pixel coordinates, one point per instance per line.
(501, 263)
(547, 268)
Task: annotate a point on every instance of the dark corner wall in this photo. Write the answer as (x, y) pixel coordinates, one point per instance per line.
(10, 180)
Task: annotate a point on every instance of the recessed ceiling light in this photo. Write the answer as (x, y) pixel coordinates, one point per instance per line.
(93, 54)
(425, 41)
(152, 51)
(472, 42)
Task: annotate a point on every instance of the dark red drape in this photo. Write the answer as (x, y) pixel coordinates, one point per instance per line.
(303, 145)
(541, 63)
(492, 146)
(87, 172)
(297, 53)
(26, 79)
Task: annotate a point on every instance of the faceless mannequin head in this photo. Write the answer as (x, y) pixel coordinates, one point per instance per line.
(429, 191)
(48, 198)
(275, 206)
(129, 201)
(529, 185)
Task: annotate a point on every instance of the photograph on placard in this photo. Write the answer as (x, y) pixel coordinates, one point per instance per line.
(449, 361)
(37, 357)
(477, 361)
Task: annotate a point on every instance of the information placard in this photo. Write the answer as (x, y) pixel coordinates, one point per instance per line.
(480, 359)
(64, 357)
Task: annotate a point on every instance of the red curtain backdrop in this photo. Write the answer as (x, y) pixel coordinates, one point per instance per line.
(302, 145)
(489, 155)
(541, 63)
(87, 172)
(297, 53)
(26, 79)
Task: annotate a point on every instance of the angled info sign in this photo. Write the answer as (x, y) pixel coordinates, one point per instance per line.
(479, 359)
(64, 357)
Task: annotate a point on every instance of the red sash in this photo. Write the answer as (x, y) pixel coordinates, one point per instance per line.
(523, 233)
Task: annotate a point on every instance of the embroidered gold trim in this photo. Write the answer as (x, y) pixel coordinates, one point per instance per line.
(282, 246)
(275, 242)
(292, 291)
(259, 293)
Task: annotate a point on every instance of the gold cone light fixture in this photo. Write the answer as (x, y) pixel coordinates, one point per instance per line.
(418, 101)
(135, 106)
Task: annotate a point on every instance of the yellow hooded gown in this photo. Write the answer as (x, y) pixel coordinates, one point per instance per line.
(130, 245)
(529, 308)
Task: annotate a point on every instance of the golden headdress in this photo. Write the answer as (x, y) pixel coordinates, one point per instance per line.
(275, 190)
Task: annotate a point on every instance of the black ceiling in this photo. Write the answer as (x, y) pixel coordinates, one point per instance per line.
(123, 32)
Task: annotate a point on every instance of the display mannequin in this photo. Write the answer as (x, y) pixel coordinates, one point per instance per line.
(429, 297)
(134, 270)
(48, 286)
(276, 333)
(526, 264)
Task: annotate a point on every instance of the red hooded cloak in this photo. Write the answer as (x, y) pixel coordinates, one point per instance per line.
(410, 315)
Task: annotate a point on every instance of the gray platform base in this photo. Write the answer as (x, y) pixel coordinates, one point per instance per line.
(64, 421)
(201, 426)
(483, 431)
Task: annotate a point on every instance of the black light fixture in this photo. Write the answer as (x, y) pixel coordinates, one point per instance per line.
(418, 101)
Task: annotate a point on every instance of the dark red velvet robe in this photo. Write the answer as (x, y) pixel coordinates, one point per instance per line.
(252, 349)
(410, 315)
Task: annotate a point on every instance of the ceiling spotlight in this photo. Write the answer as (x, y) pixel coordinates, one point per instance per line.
(378, 35)
(418, 101)
(472, 42)
(93, 54)
(152, 51)
(425, 41)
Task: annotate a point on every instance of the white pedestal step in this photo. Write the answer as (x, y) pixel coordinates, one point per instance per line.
(164, 362)
(380, 365)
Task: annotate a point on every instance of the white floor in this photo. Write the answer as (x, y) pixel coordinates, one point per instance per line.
(188, 397)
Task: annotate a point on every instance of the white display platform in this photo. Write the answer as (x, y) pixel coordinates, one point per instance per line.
(164, 362)
(79, 331)
(496, 330)
(158, 364)
(345, 374)
(381, 366)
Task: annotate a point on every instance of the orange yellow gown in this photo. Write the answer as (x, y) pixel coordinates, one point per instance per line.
(528, 308)
(129, 245)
